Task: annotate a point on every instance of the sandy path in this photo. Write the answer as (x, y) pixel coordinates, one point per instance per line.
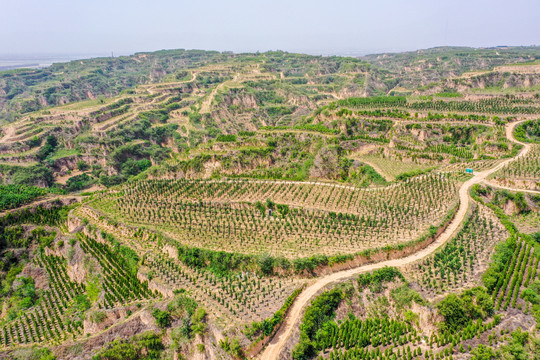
(293, 317)
(43, 200)
(511, 189)
(205, 104)
(291, 182)
(9, 131)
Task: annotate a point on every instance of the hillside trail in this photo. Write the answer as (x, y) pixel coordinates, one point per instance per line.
(535, 192)
(46, 199)
(152, 89)
(9, 132)
(294, 314)
(205, 104)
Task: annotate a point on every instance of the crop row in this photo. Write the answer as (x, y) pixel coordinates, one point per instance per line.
(245, 296)
(301, 218)
(519, 272)
(496, 105)
(120, 282)
(49, 319)
(456, 263)
(353, 339)
(525, 167)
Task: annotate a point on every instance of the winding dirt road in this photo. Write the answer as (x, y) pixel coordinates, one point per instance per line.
(274, 348)
(488, 183)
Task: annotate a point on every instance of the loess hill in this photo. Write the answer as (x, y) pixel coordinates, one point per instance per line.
(175, 204)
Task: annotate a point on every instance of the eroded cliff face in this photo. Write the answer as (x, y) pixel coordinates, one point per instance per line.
(244, 101)
(74, 224)
(103, 320)
(38, 274)
(102, 326)
(154, 285)
(505, 77)
(77, 270)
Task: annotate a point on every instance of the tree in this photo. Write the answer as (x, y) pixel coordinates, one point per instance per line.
(270, 204)
(236, 349)
(163, 318)
(483, 352)
(516, 347)
(82, 165)
(304, 350)
(266, 263)
(46, 150)
(37, 175)
(453, 311)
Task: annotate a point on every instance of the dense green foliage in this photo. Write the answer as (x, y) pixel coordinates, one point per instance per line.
(410, 174)
(321, 310)
(376, 278)
(163, 318)
(12, 196)
(219, 262)
(528, 131)
(51, 143)
(36, 175)
(79, 182)
(378, 101)
(459, 310)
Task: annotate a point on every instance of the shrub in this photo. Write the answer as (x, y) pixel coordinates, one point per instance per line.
(145, 346)
(97, 317)
(78, 182)
(82, 165)
(459, 310)
(226, 138)
(15, 195)
(163, 318)
(321, 310)
(376, 278)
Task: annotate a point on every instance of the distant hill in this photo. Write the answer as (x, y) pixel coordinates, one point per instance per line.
(26, 90)
(421, 67)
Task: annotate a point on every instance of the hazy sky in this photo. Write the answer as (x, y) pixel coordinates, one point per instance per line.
(313, 26)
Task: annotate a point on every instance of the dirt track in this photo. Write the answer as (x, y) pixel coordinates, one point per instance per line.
(293, 317)
(9, 132)
(44, 200)
(511, 188)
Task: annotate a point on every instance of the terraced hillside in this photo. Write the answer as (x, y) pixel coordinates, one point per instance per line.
(523, 173)
(220, 208)
(459, 262)
(296, 219)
